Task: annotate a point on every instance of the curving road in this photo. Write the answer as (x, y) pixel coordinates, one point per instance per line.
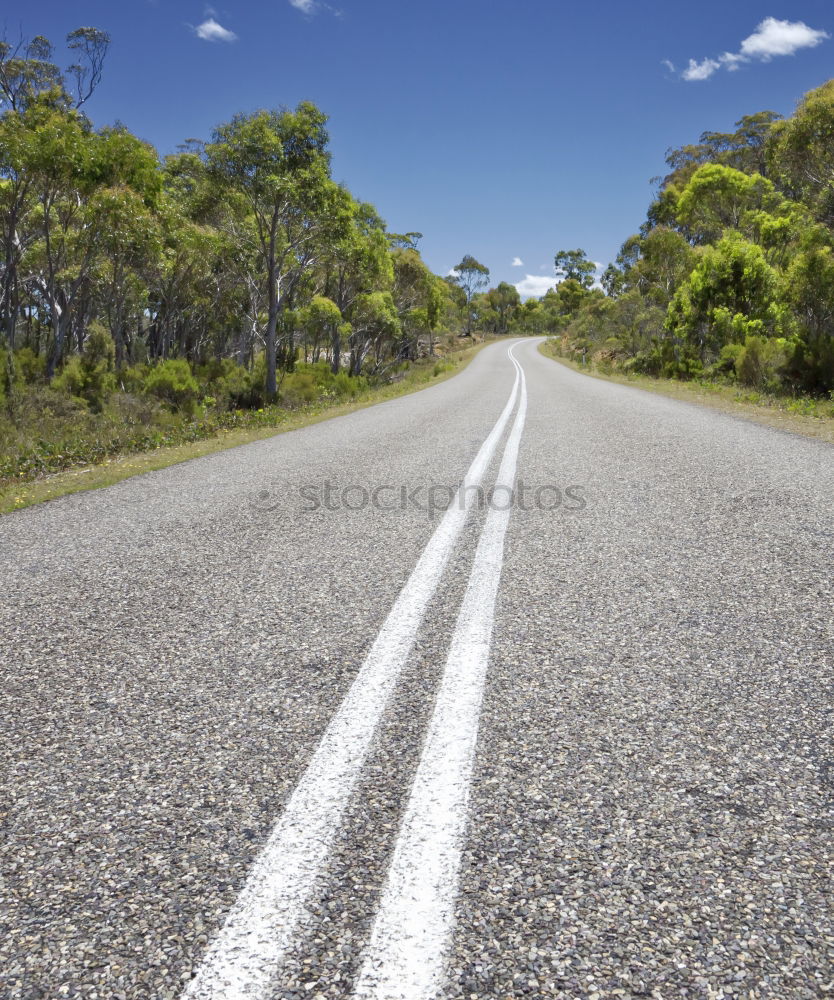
(519, 686)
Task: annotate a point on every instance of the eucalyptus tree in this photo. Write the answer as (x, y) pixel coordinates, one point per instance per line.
(58, 161)
(278, 162)
(418, 300)
(471, 275)
(374, 324)
(30, 78)
(17, 202)
(731, 293)
(123, 206)
(71, 168)
(28, 73)
(652, 263)
(323, 327)
(800, 156)
(504, 301)
(573, 265)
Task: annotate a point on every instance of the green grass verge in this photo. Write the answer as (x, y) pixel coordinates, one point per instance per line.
(16, 495)
(804, 415)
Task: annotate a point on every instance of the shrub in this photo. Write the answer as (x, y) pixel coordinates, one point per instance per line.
(172, 383)
(132, 379)
(89, 376)
(71, 378)
(132, 409)
(345, 385)
(725, 363)
(299, 389)
(235, 389)
(30, 367)
(761, 362)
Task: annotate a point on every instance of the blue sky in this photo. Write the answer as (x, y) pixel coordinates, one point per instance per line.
(507, 130)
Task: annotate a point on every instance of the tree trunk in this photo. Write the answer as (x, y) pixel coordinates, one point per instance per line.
(272, 322)
(336, 349)
(271, 326)
(60, 336)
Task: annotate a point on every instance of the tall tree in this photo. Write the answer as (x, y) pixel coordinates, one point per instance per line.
(574, 265)
(505, 300)
(278, 161)
(471, 275)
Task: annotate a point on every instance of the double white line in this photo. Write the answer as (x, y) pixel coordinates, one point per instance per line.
(406, 951)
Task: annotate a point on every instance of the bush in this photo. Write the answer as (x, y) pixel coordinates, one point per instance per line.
(71, 378)
(226, 385)
(761, 363)
(172, 383)
(685, 368)
(345, 385)
(299, 389)
(236, 390)
(725, 363)
(30, 367)
(132, 379)
(133, 409)
(89, 376)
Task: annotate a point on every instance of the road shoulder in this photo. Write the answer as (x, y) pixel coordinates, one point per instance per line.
(17, 496)
(722, 398)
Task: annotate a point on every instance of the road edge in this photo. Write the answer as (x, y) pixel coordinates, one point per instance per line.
(819, 429)
(97, 477)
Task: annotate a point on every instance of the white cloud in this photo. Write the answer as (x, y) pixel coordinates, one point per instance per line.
(211, 31)
(669, 65)
(517, 262)
(700, 70)
(535, 285)
(771, 38)
(780, 38)
(305, 6)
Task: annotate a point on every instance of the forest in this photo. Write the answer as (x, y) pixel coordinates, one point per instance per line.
(731, 276)
(148, 300)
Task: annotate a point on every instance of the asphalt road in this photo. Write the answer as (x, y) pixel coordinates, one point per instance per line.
(269, 730)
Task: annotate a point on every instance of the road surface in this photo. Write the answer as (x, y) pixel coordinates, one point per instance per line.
(519, 686)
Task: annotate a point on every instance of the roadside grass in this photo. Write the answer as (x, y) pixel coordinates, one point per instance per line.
(26, 490)
(804, 415)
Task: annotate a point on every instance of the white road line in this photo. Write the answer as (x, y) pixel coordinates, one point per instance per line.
(245, 957)
(405, 956)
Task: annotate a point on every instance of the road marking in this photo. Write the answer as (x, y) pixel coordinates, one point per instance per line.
(405, 956)
(245, 956)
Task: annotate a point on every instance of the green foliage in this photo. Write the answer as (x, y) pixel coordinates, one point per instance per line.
(573, 265)
(471, 275)
(809, 288)
(732, 293)
(800, 153)
(229, 385)
(7, 385)
(731, 277)
(30, 367)
(90, 375)
(718, 198)
(172, 383)
(761, 363)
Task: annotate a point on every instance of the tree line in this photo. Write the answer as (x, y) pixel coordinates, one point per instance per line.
(731, 276)
(239, 255)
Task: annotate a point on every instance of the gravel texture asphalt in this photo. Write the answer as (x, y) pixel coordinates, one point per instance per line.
(651, 810)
